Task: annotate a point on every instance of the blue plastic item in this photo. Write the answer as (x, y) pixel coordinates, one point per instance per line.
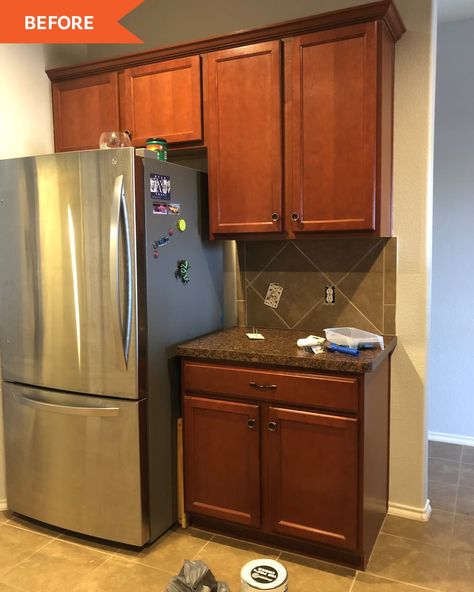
(332, 347)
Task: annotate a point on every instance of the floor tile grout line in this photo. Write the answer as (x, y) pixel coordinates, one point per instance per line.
(397, 536)
(203, 547)
(29, 529)
(40, 548)
(353, 582)
(85, 545)
(376, 575)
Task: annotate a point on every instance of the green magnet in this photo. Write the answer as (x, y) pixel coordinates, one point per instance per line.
(182, 272)
(181, 224)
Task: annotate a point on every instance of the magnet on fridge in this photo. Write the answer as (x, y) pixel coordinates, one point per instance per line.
(170, 231)
(181, 224)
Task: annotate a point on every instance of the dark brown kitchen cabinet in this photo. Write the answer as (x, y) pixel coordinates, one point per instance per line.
(290, 457)
(222, 451)
(83, 108)
(244, 139)
(312, 475)
(163, 100)
(333, 135)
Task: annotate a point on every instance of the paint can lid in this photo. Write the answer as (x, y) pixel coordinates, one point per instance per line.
(264, 574)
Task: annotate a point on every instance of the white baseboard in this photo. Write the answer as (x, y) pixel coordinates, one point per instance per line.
(3, 505)
(411, 512)
(451, 438)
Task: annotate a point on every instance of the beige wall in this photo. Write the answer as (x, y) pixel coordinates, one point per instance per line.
(25, 125)
(413, 148)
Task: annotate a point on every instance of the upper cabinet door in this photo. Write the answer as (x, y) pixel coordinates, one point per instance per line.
(334, 130)
(163, 100)
(83, 108)
(244, 137)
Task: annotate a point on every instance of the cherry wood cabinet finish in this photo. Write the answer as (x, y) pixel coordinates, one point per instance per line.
(312, 475)
(334, 117)
(222, 459)
(163, 100)
(324, 471)
(83, 108)
(244, 139)
(303, 388)
(383, 10)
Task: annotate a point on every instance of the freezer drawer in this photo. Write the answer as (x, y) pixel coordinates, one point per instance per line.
(76, 462)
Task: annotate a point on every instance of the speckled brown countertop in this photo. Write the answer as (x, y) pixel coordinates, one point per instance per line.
(279, 349)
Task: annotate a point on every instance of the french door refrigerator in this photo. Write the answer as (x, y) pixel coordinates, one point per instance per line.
(102, 271)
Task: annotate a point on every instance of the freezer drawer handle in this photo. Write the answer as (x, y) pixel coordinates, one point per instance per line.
(120, 212)
(67, 409)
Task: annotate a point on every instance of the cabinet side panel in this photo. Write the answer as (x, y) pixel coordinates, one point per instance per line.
(375, 454)
(385, 127)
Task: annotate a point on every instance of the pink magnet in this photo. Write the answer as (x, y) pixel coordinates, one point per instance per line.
(170, 231)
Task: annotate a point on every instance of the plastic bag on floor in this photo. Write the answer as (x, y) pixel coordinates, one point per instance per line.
(195, 576)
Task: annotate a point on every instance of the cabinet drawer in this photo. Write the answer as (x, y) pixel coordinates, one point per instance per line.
(297, 388)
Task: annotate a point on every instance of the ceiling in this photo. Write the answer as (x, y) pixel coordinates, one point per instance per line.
(455, 10)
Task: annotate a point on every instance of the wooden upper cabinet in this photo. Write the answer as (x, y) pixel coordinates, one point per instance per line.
(83, 108)
(333, 130)
(163, 100)
(244, 138)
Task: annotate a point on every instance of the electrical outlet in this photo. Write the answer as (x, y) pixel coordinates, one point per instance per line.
(330, 295)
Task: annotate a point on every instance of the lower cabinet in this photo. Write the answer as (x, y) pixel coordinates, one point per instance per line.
(222, 451)
(312, 475)
(258, 464)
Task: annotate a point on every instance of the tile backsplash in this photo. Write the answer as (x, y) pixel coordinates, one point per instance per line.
(362, 270)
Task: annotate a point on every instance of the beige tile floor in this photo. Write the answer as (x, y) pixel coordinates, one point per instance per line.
(408, 557)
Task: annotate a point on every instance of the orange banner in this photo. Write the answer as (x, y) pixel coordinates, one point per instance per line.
(63, 21)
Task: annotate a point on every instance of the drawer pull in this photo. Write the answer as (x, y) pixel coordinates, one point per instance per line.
(262, 386)
(251, 423)
(272, 426)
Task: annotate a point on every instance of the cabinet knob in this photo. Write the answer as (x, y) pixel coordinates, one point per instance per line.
(295, 216)
(272, 426)
(251, 423)
(275, 217)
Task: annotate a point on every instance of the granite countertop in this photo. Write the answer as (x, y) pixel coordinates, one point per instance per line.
(279, 349)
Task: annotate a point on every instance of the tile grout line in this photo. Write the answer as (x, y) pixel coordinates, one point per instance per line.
(280, 251)
(353, 581)
(375, 575)
(203, 547)
(404, 538)
(40, 548)
(272, 309)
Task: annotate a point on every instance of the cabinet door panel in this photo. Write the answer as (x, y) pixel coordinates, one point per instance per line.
(245, 144)
(312, 476)
(163, 100)
(222, 459)
(83, 108)
(334, 106)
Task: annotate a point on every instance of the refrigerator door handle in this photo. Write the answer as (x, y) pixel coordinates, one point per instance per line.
(67, 409)
(120, 213)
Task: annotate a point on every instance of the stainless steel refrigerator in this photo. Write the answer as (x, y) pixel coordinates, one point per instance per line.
(102, 271)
